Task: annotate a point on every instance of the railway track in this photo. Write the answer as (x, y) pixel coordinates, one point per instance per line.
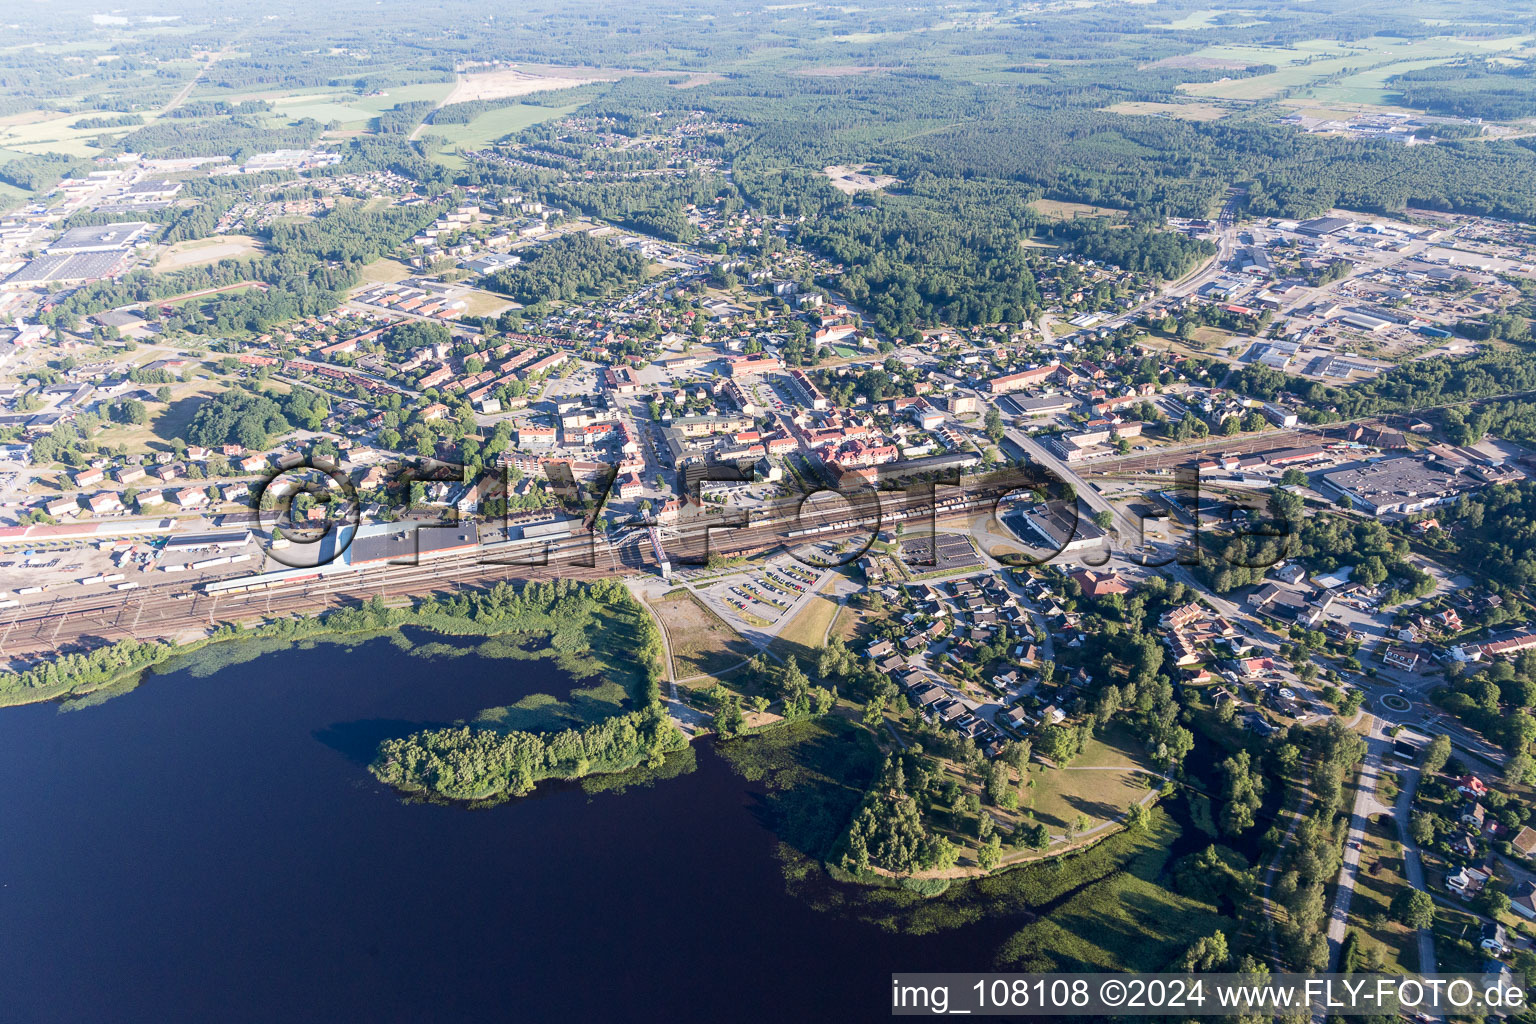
(174, 611)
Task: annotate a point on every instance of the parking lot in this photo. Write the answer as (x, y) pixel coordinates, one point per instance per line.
(763, 598)
(769, 592)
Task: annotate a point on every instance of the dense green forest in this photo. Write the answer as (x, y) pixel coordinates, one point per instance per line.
(40, 172)
(251, 420)
(402, 118)
(656, 206)
(573, 267)
(478, 764)
(1491, 90)
(1423, 384)
(239, 137)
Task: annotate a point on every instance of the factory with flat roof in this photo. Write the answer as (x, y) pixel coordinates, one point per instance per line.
(217, 540)
(1400, 485)
(1320, 226)
(103, 237)
(382, 543)
(1058, 526)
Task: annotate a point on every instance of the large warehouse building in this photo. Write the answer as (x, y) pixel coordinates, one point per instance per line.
(1399, 486)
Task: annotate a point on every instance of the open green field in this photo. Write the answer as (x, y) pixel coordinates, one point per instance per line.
(352, 110)
(1100, 783)
(484, 303)
(166, 422)
(290, 102)
(1125, 921)
(202, 251)
(31, 134)
(493, 125)
(321, 108)
(385, 272)
(202, 295)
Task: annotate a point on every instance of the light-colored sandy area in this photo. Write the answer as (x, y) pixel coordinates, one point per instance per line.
(207, 250)
(853, 179)
(493, 85)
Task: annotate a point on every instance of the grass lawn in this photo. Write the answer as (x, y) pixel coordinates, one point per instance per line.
(385, 272)
(1210, 338)
(1089, 786)
(1100, 793)
(1387, 945)
(853, 622)
(202, 295)
(165, 421)
(483, 303)
(1457, 934)
(807, 631)
(702, 643)
(1125, 921)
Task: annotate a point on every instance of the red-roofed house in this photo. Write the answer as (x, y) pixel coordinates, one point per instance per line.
(1099, 585)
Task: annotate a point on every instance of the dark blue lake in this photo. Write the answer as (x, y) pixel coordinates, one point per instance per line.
(211, 848)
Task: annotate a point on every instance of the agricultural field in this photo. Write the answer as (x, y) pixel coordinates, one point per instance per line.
(327, 104)
(492, 125)
(1363, 66)
(43, 132)
(324, 108)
